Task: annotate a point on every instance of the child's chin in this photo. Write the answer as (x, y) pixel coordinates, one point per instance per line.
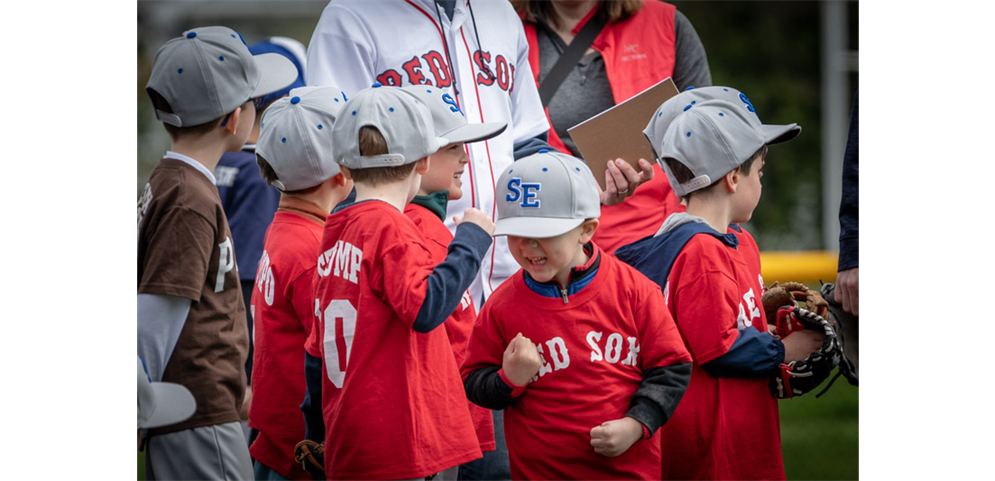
(539, 276)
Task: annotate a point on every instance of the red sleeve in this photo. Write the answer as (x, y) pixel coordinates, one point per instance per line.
(704, 306)
(301, 295)
(315, 334)
(403, 272)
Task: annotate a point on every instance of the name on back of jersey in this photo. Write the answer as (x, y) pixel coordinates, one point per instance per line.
(342, 260)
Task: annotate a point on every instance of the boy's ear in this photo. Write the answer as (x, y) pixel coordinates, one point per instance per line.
(339, 179)
(421, 167)
(232, 123)
(344, 172)
(587, 230)
(731, 180)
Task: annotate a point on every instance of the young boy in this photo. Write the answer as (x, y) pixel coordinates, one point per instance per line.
(427, 210)
(727, 426)
(191, 319)
(398, 410)
(676, 105)
(608, 366)
(295, 154)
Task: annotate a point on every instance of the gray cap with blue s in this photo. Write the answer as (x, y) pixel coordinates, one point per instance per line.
(545, 195)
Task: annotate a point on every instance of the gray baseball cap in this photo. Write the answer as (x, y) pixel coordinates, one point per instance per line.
(711, 139)
(162, 403)
(208, 72)
(295, 137)
(545, 195)
(687, 99)
(404, 122)
(450, 122)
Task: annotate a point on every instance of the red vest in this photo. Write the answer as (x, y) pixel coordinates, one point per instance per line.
(638, 52)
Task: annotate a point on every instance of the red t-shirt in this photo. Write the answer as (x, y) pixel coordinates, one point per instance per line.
(399, 409)
(595, 349)
(459, 325)
(283, 312)
(723, 428)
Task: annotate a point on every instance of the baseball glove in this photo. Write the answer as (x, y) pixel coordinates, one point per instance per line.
(802, 376)
(311, 455)
(847, 334)
(790, 294)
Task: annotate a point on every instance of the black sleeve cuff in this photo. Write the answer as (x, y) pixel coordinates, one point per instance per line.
(658, 395)
(485, 388)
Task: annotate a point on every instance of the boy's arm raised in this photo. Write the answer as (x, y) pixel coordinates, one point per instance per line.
(453, 276)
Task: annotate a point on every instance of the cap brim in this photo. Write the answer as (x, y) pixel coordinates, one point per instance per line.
(775, 134)
(174, 403)
(535, 227)
(475, 132)
(276, 73)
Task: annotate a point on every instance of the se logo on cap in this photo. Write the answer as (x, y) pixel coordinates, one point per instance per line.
(518, 190)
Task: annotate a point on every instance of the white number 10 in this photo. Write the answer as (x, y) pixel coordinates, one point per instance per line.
(339, 312)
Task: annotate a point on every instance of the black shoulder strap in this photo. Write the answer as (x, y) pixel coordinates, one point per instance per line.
(570, 57)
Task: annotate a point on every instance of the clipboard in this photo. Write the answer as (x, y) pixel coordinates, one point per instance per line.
(618, 132)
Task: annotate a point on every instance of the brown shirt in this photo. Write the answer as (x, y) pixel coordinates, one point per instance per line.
(185, 250)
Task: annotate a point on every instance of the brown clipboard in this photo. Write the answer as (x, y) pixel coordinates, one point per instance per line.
(617, 133)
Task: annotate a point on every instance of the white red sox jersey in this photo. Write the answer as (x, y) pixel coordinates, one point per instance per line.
(480, 57)
(596, 351)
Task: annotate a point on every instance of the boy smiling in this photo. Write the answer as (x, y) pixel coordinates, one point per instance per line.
(577, 347)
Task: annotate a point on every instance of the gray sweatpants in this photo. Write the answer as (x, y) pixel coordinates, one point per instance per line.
(209, 452)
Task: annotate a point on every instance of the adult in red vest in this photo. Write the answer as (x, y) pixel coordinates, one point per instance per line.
(642, 43)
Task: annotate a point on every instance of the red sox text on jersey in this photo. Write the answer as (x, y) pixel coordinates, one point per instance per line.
(431, 69)
(555, 355)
